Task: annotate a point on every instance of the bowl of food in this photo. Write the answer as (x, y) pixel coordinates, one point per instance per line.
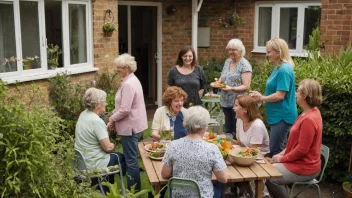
(243, 156)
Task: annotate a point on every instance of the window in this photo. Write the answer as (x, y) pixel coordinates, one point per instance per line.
(28, 27)
(293, 22)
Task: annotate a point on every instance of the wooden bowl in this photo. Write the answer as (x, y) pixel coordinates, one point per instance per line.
(239, 160)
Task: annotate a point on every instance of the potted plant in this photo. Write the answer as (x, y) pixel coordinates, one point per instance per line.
(347, 186)
(108, 28)
(29, 62)
(53, 53)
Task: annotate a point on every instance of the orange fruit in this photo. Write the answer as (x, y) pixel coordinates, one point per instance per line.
(227, 150)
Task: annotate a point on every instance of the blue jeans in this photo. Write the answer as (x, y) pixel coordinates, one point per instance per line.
(278, 137)
(130, 150)
(230, 120)
(218, 189)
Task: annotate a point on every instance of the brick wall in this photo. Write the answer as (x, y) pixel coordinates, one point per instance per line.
(336, 24)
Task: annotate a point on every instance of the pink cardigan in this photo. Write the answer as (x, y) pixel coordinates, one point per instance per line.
(130, 113)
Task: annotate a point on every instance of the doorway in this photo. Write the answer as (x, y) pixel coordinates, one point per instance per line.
(139, 28)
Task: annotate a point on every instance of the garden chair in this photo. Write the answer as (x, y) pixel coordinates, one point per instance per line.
(325, 153)
(79, 165)
(184, 184)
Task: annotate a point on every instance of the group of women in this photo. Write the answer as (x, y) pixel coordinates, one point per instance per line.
(188, 156)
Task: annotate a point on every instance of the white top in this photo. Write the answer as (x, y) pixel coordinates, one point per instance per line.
(256, 134)
(90, 129)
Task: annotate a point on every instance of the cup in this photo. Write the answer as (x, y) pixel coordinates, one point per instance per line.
(229, 137)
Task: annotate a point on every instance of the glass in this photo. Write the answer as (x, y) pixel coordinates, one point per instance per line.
(7, 38)
(311, 21)
(264, 25)
(229, 137)
(30, 34)
(78, 33)
(288, 26)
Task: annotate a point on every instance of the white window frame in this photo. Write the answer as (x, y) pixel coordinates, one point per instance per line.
(44, 72)
(275, 22)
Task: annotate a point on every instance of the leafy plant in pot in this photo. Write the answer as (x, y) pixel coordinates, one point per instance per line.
(108, 28)
(347, 186)
(53, 53)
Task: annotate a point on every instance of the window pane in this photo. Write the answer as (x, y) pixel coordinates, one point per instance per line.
(288, 26)
(53, 27)
(78, 34)
(264, 25)
(30, 34)
(7, 38)
(311, 21)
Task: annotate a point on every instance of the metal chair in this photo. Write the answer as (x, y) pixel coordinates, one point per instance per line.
(81, 172)
(184, 184)
(325, 153)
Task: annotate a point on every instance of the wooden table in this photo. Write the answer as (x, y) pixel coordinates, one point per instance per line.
(256, 172)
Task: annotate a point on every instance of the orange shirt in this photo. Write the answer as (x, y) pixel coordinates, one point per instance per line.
(302, 155)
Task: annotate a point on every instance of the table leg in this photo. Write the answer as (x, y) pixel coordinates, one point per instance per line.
(157, 189)
(259, 187)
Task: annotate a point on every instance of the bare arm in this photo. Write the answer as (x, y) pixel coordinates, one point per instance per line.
(221, 176)
(200, 92)
(107, 145)
(277, 96)
(166, 172)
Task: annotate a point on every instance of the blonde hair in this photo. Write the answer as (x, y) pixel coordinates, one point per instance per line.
(279, 45)
(311, 89)
(236, 44)
(127, 61)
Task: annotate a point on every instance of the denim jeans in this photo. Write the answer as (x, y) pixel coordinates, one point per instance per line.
(113, 161)
(218, 189)
(230, 120)
(278, 137)
(130, 150)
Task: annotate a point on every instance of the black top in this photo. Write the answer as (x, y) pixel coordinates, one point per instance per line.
(190, 83)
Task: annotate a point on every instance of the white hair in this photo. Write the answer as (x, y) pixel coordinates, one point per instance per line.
(236, 44)
(92, 97)
(126, 60)
(195, 119)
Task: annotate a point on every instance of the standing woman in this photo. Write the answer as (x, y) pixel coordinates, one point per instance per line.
(129, 117)
(236, 74)
(279, 98)
(189, 76)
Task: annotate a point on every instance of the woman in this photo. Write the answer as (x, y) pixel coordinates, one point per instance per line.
(300, 161)
(188, 75)
(91, 135)
(193, 158)
(129, 116)
(279, 98)
(251, 131)
(236, 74)
(170, 116)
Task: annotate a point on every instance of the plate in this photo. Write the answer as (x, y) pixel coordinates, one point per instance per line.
(213, 85)
(210, 96)
(156, 158)
(149, 146)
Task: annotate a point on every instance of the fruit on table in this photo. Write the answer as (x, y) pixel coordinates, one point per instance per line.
(212, 136)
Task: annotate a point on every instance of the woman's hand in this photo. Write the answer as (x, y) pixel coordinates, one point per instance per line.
(110, 126)
(228, 88)
(257, 97)
(276, 158)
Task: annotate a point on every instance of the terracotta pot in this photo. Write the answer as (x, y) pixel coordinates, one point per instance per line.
(108, 34)
(346, 192)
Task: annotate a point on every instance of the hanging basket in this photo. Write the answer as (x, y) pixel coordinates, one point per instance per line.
(108, 34)
(346, 192)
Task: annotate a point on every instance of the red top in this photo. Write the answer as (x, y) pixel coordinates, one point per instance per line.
(302, 155)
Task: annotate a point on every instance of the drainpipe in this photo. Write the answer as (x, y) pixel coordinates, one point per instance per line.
(195, 9)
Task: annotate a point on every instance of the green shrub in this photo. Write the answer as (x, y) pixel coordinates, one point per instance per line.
(334, 73)
(212, 69)
(35, 155)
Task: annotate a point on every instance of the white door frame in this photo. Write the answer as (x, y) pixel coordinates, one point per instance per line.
(159, 38)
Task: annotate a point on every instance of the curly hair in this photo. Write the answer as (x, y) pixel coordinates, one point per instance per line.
(172, 93)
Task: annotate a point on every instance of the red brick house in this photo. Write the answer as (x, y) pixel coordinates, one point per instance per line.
(153, 31)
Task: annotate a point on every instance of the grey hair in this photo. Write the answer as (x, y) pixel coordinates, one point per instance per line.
(236, 44)
(195, 119)
(92, 97)
(126, 60)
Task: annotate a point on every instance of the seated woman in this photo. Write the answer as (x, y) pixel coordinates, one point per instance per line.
(91, 135)
(250, 129)
(193, 158)
(170, 116)
(300, 161)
